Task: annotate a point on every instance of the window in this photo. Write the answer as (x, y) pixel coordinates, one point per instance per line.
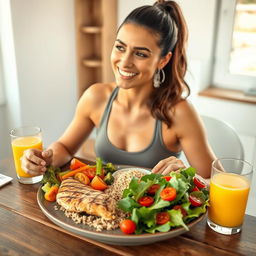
(235, 55)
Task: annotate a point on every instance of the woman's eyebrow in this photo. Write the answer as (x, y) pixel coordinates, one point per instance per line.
(136, 48)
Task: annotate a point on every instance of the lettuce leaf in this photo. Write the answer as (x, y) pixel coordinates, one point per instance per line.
(195, 211)
(127, 204)
(177, 219)
(161, 228)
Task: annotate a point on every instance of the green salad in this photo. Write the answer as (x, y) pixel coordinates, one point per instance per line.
(157, 203)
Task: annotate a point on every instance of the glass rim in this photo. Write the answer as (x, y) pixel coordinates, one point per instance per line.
(249, 172)
(37, 130)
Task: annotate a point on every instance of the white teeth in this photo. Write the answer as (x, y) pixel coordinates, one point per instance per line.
(124, 73)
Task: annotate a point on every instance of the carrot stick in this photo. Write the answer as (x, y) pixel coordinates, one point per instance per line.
(75, 163)
(72, 173)
(51, 194)
(60, 174)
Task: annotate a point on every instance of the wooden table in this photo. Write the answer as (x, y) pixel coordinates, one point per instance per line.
(24, 230)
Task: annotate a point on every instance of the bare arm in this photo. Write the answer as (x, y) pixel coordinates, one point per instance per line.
(193, 140)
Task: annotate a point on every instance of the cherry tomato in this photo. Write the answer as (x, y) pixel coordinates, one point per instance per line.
(195, 188)
(80, 176)
(90, 173)
(98, 183)
(75, 164)
(199, 183)
(146, 201)
(179, 207)
(162, 218)
(167, 178)
(152, 190)
(168, 194)
(127, 226)
(195, 201)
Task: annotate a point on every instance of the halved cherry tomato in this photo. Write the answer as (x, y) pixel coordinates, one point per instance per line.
(199, 183)
(80, 176)
(128, 226)
(195, 188)
(195, 201)
(75, 163)
(162, 218)
(179, 207)
(167, 178)
(98, 183)
(152, 190)
(146, 201)
(168, 194)
(90, 172)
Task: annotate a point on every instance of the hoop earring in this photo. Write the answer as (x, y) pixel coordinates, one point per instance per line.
(157, 78)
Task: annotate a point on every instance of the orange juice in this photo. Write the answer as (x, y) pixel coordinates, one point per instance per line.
(18, 147)
(228, 198)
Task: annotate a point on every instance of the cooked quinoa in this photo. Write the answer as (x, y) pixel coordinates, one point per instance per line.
(121, 182)
(115, 191)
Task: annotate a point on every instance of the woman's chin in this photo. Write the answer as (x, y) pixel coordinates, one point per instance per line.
(124, 84)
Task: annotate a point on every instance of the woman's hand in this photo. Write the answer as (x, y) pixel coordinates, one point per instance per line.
(168, 165)
(34, 161)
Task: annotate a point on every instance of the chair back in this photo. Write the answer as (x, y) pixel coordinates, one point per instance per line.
(223, 139)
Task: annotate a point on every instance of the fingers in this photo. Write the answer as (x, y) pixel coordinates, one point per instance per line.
(34, 156)
(32, 169)
(161, 166)
(158, 167)
(47, 153)
(172, 168)
(34, 161)
(47, 156)
(168, 165)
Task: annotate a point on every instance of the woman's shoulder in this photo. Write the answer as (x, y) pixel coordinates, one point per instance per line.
(95, 98)
(99, 90)
(97, 93)
(184, 111)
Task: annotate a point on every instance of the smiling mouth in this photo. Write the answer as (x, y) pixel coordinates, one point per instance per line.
(126, 74)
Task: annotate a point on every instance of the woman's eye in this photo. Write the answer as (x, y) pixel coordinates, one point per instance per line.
(141, 54)
(120, 48)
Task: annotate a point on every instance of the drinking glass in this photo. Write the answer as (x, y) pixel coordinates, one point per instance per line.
(229, 189)
(23, 138)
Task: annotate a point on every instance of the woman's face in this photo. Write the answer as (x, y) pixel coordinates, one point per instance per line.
(135, 56)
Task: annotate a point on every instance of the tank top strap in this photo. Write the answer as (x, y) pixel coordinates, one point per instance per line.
(158, 138)
(104, 119)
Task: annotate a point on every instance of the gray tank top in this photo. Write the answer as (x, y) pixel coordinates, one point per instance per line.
(147, 157)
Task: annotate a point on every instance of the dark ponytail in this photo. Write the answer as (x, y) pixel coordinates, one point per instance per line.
(165, 18)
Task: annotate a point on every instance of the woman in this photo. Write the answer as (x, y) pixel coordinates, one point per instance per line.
(143, 118)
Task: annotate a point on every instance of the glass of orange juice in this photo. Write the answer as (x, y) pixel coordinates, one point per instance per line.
(23, 138)
(229, 190)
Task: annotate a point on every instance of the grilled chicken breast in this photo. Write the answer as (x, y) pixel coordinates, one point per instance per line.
(77, 197)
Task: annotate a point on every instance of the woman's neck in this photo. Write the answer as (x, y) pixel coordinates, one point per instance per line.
(134, 98)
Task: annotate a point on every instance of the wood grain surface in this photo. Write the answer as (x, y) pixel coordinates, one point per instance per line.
(25, 230)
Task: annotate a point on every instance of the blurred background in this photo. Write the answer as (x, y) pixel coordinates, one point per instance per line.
(51, 50)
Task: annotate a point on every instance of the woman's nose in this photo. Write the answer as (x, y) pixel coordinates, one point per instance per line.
(126, 60)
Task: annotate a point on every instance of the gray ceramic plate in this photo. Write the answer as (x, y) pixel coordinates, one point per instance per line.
(108, 237)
